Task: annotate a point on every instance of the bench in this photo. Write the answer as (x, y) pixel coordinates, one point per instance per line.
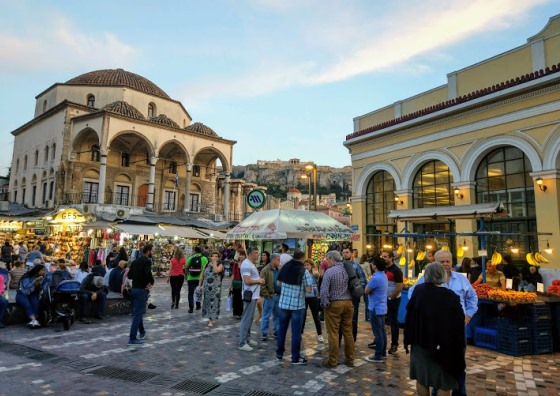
(114, 305)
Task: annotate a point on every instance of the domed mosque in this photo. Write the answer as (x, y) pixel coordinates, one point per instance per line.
(125, 143)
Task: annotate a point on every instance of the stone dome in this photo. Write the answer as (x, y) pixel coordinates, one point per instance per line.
(200, 128)
(162, 119)
(118, 78)
(125, 109)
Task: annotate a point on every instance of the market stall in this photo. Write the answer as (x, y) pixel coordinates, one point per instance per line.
(283, 224)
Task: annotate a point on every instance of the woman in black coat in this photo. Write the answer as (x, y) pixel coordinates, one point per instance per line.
(435, 327)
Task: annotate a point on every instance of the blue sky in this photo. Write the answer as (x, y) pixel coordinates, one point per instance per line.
(283, 78)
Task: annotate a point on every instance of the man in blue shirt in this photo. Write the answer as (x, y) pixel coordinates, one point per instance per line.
(377, 305)
(295, 281)
(461, 287)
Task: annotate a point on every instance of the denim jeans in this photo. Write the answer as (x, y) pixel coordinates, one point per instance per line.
(85, 298)
(192, 284)
(392, 314)
(367, 311)
(138, 299)
(378, 328)
(270, 307)
(246, 322)
(3, 307)
(296, 317)
(30, 303)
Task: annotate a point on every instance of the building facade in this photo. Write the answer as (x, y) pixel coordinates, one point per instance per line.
(491, 134)
(113, 139)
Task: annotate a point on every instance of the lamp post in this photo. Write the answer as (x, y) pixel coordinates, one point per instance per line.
(313, 167)
(308, 191)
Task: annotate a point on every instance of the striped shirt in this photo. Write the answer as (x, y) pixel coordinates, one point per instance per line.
(335, 285)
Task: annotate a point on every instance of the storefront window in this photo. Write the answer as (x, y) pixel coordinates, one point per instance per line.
(503, 176)
(432, 186)
(380, 200)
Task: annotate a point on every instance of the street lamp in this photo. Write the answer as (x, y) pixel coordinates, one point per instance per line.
(313, 167)
(308, 191)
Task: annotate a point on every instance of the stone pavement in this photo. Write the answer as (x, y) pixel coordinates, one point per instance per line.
(182, 356)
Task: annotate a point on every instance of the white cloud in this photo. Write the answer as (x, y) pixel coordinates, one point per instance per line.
(338, 42)
(58, 45)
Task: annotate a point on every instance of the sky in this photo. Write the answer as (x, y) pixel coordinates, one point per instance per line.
(283, 78)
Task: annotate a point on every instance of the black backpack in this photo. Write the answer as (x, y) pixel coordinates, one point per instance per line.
(195, 266)
(354, 282)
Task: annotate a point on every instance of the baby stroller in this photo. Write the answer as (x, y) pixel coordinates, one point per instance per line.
(60, 292)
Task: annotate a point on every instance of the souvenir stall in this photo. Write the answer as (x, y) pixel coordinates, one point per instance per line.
(286, 224)
(65, 236)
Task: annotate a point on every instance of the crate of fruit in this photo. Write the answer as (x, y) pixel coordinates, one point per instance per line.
(518, 347)
(485, 337)
(543, 344)
(513, 330)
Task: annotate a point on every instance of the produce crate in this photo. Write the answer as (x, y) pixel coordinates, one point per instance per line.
(512, 329)
(485, 337)
(543, 344)
(515, 347)
(536, 313)
(491, 323)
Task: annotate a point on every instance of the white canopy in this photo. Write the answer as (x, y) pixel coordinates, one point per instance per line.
(289, 223)
(142, 229)
(181, 231)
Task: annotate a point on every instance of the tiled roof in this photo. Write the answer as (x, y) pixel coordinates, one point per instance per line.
(162, 119)
(200, 128)
(118, 78)
(462, 99)
(124, 109)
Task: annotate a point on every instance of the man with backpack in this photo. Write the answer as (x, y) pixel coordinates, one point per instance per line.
(194, 268)
(359, 271)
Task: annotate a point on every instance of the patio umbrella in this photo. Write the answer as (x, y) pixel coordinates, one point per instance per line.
(289, 223)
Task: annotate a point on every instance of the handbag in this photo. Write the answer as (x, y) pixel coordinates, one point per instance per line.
(247, 295)
(229, 302)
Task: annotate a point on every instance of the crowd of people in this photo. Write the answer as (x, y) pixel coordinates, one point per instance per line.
(280, 288)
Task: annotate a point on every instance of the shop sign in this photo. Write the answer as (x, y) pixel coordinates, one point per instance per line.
(69, 215)
(354, 227)
(256, 199)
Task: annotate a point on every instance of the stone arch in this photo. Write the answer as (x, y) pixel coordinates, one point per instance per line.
(552, 149)
(225, 164)
(177, 143)
(141, 138)
(370, 170)
(123, 178)
(81, 144)
(478, 151)
(418, 160)
(91, 173)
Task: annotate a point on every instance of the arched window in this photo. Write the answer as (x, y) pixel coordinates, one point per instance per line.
(90, 100)
(379, 202)
(36, 157)
(94, 153)
(25, 163)
(44, 105)
(503, 176)
(125, 159)
(432, 186)
(17, 165)
(46, 153)
(53, 152)
(152, 112)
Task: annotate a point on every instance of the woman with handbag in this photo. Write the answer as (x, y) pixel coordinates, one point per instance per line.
(237, 285)
(211, 284)
(312, 299)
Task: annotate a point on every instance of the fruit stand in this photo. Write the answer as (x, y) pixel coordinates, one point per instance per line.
(514, 323)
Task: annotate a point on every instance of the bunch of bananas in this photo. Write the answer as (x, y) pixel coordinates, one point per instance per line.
(412, 264)
(496, 258)
(460, 252)
(445, 247)
(536, 259)
(420, 256)
(400, 250)
(402, 260)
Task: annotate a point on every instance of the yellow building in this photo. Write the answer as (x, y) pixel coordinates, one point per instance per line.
(491, 134)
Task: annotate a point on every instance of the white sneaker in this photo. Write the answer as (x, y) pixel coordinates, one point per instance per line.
(320, 338)
(253, 343)
(246, 348)
(34, 324)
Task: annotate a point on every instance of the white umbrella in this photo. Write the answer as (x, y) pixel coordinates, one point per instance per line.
(289, 223)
